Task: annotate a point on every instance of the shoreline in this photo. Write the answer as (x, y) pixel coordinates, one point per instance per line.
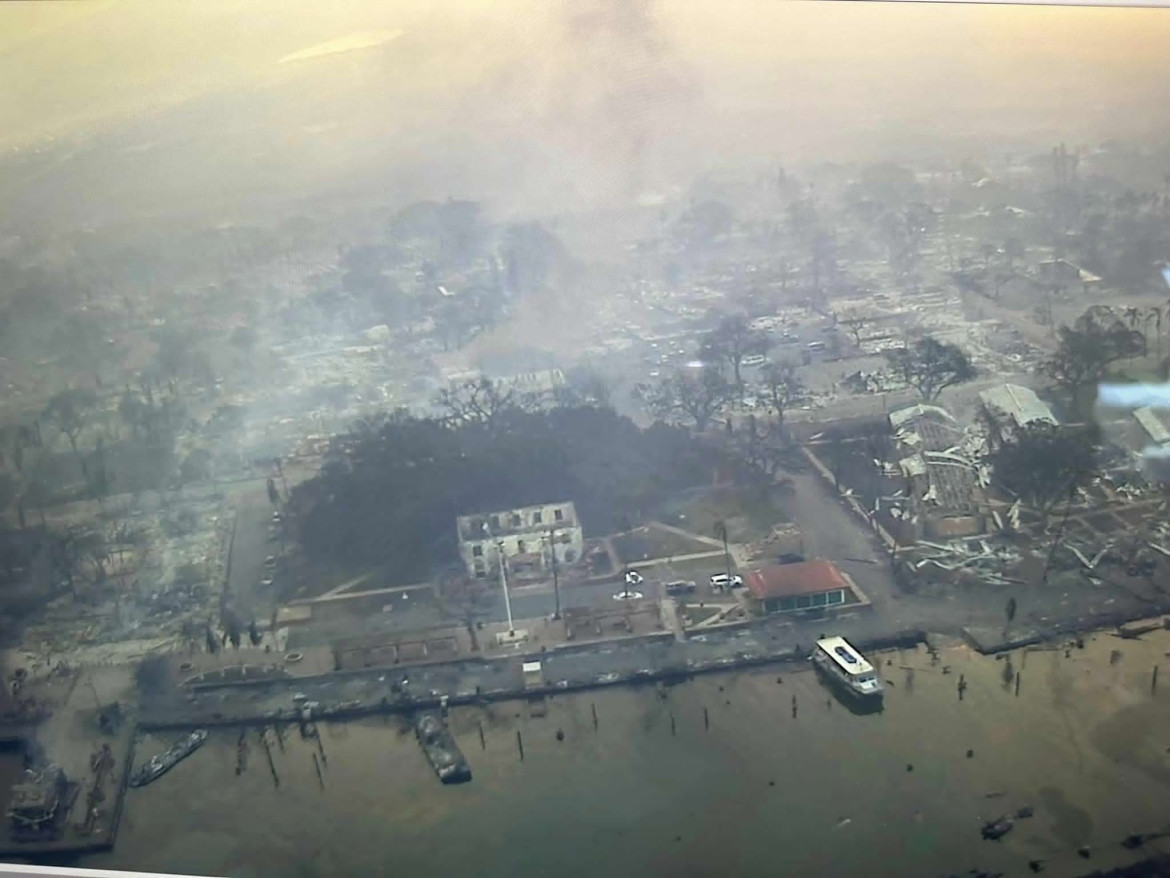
(983, 641)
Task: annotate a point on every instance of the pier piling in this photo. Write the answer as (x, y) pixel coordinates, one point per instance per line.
(268, 753)
(520, 744)
(317, 766)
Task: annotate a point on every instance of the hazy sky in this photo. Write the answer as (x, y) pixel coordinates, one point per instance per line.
(545, 102)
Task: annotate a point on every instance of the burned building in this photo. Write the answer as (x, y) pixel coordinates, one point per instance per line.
(1012, 406)
(526, 538)
(1062, 274)
(40, 804)
(944, 485)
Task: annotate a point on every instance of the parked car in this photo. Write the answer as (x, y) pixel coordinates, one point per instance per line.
(721, 581)
(754, 360)
(633, 577)
(680, 586)
(790, 558)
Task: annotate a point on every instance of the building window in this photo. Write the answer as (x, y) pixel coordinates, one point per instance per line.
(515, 519)
(803, 601)
(495, 522)
(836, 597)
(818, 600)
(536, 517)
(786, 604)
(570, 556)
(566, 538)
(479, 571)
(477, 551)
(559, 514)
(520, 547)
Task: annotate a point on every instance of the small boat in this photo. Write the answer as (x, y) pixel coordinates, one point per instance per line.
(441, 750)
(846, 667)
(157, 766)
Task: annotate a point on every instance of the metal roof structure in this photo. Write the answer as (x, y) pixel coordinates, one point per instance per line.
(1153, 423)
(847, 658)
(1020, 404)
(915, 412)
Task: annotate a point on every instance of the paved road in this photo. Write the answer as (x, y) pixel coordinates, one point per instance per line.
(533, 601)
(831, 531)
(249, 549)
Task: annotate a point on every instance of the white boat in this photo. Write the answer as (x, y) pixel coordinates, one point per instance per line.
(846, 667)
(157, 766)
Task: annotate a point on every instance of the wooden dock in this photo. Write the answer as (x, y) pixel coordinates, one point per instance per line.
(75, 839)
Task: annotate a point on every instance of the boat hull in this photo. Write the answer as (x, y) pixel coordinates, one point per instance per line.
(444, 755)
(870, 700)
(159, 765)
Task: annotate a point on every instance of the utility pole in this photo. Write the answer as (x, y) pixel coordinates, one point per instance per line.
(504, 585)
(552, 551)
(721, 528)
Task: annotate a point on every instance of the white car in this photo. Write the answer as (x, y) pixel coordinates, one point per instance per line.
(721, 581)
(633, 577)
(754, 360)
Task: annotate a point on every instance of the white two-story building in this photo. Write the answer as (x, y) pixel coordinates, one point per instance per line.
(526, 538)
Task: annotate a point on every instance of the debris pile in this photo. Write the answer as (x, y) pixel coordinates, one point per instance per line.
(989, 560)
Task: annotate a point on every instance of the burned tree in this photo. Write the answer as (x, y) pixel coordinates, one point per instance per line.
(731, 341)
(1088, 348)
(1046, 463)
(478, 401)
(783, 387)
(69, 410)
(931, 366)
(854, 323)
(465, 598)
(762, 446)
(698, 397)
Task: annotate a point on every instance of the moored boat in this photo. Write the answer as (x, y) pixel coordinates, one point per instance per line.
(157, 766)
(441, 750)
(848, 669)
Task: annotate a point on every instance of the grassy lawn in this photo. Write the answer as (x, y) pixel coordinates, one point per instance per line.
(650, 542)
(699, 570)
(749, 514)
(694, 614)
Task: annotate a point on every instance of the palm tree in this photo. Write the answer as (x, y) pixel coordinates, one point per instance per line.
(1133, 317)
(1155, 315)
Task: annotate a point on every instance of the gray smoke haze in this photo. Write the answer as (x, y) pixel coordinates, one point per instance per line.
(534, 108)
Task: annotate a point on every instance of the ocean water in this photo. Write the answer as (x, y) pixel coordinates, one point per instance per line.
(653, 790)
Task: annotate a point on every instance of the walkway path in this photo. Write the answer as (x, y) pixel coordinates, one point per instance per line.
(690, 535)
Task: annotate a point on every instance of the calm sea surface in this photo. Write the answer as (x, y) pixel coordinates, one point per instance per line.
(827, 792)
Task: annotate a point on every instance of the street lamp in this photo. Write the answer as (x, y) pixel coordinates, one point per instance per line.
(504, 585)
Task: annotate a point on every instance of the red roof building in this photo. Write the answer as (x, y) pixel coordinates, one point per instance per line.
(784, 588)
